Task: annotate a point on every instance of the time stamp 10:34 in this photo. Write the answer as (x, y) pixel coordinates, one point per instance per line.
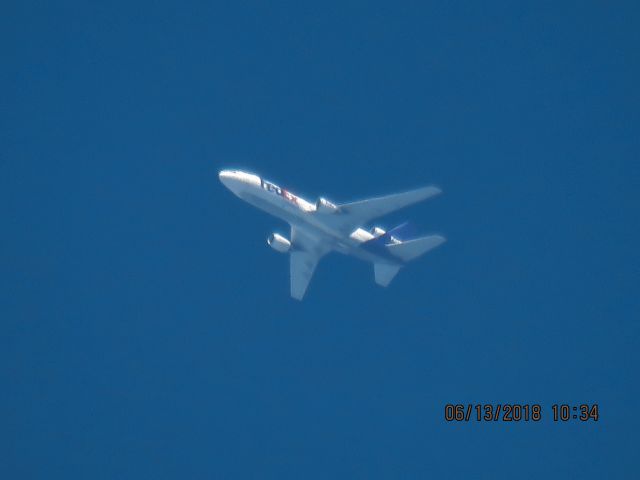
(514, 412)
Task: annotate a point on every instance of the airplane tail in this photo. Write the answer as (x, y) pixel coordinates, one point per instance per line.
(411, 249)
(405, 251)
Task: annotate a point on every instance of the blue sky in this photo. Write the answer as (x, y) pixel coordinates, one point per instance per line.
(146, 327)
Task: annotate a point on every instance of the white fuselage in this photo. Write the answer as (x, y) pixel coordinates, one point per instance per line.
(299, 213)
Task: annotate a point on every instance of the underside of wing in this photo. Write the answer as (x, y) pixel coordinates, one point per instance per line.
(305, 255)
(303, 265)
(366, 210)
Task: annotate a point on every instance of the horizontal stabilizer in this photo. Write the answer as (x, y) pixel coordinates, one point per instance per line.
(384, 273)
(402, 231)
(414, 248)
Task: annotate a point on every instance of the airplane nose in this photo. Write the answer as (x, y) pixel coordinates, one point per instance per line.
(237, 179)
(225, 176)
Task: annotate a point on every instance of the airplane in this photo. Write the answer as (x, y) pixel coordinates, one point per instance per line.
(322, 227)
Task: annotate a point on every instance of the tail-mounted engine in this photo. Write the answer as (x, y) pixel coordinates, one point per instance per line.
(279, 243)
(325, 206)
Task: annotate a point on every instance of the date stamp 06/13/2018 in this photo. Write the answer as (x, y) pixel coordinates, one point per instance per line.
(525, 412)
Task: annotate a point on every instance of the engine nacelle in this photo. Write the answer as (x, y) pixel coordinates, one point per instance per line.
(377, 232)
(325, 206)
(279, 243)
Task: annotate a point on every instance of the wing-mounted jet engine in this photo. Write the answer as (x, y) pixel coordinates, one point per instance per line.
(325, 206)
(377, 232)
(279, 243)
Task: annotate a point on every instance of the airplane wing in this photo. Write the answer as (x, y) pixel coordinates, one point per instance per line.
(366, 210)
(305, 255)
(303, 265)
